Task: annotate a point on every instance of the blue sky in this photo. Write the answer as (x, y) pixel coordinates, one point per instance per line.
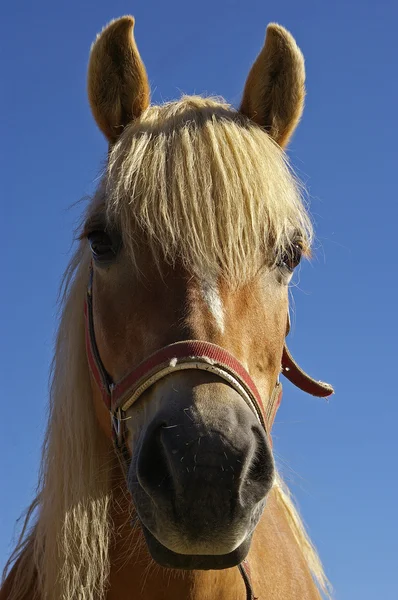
(339, 457)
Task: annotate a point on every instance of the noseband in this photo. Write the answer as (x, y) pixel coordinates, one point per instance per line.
(119, 396)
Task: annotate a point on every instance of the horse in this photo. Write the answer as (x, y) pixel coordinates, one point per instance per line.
(157, 478)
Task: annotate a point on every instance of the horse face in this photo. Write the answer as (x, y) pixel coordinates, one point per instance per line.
(201, 464)
(215, 179)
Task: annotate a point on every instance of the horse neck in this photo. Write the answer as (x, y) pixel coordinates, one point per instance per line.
(278, 569)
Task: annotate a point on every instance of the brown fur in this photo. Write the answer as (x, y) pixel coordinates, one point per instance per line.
(277, 567)
(118, 88)
(274, 92)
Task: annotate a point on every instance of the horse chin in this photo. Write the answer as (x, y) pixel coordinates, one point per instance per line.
(172, 560)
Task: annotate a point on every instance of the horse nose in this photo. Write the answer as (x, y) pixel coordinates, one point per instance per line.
(206, 471)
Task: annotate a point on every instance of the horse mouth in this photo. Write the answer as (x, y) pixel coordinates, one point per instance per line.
(172, 560)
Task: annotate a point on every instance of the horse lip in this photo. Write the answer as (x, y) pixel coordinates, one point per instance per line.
(172, 560)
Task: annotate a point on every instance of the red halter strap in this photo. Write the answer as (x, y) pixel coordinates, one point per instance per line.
(292, 371)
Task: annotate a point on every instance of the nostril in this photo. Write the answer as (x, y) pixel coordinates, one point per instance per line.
(261, 469)
(153, 471)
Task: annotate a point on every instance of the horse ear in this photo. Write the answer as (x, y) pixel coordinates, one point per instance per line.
(118, 88)
(274, 92)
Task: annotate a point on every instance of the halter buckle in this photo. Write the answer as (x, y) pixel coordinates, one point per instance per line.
(116, 418)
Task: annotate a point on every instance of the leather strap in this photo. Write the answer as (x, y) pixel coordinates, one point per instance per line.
(292, 371)
(244, 569)
(296, 375)
(188, 354)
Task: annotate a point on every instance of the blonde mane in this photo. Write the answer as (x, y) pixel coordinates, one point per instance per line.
(206, 187)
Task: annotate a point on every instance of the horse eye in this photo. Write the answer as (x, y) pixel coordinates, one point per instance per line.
(102, 246)
(291, 257)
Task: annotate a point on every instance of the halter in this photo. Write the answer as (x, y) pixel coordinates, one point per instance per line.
(119, 396)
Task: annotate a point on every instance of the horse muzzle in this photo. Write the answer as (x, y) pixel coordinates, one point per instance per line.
(200, 473)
